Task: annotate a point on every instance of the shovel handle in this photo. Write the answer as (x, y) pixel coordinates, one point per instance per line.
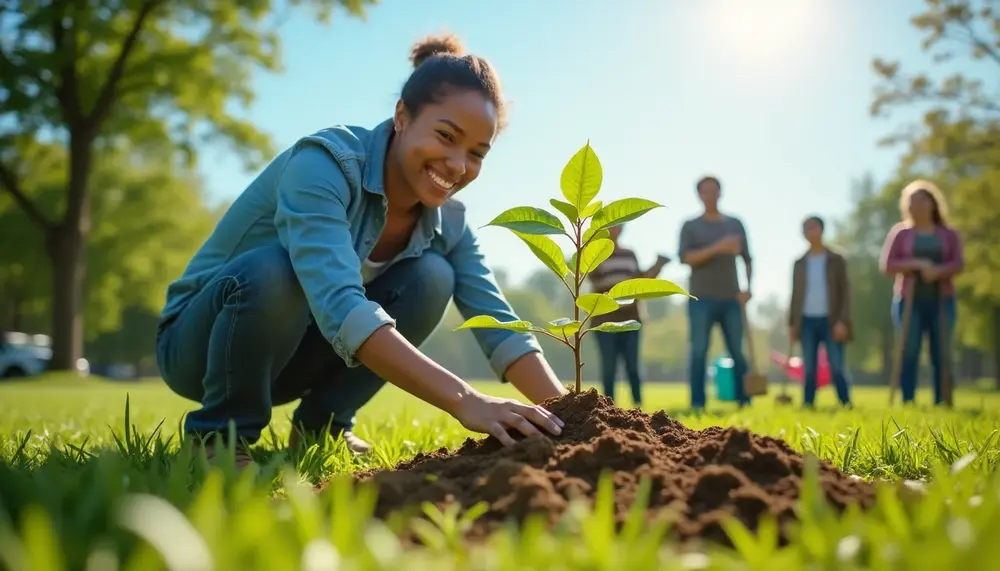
(901, 338)
(752, 357)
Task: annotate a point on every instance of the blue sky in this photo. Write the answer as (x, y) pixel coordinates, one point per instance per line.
(772, 96)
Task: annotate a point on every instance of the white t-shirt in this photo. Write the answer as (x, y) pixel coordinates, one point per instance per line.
(371, 270)
(815, 303)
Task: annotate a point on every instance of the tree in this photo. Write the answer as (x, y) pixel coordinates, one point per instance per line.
(148, 219)
(974, 190)
(92, 75)
(958, 143)
(953, 29)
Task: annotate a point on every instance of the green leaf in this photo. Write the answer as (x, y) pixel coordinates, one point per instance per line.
(597, 303)
(594, 254)
(546, 250)
(594, 208)
(581, 177)
(597, 234)
(489, 322)
(621, 211)
(568, 210)
(616, 326)
(529, 220)
(564, 327)
(646, 288)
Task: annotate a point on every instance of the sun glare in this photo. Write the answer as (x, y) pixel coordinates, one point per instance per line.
(761, 33)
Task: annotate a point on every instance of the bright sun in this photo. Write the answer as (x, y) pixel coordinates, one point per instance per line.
(760, 33)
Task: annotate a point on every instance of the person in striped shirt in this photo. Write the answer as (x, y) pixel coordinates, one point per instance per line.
(621, 266)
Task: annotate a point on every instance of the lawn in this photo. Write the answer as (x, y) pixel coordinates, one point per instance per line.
(88, 483)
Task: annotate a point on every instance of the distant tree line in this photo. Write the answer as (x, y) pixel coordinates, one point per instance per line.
(101, 205)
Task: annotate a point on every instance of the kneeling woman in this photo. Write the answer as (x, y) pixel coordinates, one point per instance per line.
(339, 260)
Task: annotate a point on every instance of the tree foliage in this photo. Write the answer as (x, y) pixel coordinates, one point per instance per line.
(107, 74)
(957, 143)
(148, 219)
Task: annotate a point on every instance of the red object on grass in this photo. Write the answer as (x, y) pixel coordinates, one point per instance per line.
(794, 367)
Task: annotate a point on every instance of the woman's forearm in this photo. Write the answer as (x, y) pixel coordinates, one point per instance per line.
(389, 355)
(900, 266)
(534, 378)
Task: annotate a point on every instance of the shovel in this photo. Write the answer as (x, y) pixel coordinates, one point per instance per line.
(754, 383)
(904, 330)
(783, 398)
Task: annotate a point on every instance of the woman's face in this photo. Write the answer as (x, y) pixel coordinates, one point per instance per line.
(921, 206)
(442, 149)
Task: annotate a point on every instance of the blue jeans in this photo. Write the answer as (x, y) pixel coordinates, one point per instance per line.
(247, 342)
(624, 346)
(702, 315)
(925, 319)
(816, 330)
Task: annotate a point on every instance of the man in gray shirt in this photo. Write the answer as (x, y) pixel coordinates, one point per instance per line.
(709, 244)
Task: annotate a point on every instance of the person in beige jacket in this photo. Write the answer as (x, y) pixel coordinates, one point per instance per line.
(820, 310)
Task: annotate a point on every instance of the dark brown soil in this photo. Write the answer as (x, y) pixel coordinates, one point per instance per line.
(699, 477)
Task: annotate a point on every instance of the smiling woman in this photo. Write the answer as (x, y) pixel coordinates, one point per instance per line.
(339, 260)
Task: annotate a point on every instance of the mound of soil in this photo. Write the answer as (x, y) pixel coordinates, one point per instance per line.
(700, 476)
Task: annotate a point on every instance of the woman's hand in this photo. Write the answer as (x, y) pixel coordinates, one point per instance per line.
(930, 274)
(493, 415)
(389, 355)
(919, 264)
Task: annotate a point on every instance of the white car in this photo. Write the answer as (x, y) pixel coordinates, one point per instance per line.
(24, 355)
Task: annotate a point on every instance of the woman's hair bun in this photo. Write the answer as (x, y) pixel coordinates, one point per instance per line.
(434, 46)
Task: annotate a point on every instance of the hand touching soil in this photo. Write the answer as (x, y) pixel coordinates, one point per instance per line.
(494, 415)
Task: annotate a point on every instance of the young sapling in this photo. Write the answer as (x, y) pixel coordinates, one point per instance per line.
(580, 183)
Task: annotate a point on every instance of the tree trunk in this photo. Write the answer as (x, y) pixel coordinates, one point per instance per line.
(67, 249)
(17, 310)
(996, 347)
(67, 303)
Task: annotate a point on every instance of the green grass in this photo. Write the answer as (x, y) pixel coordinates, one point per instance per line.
(86, 483)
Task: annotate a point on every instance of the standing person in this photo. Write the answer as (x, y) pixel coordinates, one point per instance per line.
(924, 254)
(709, 244)
(622, 265)
(820, 310)
(339, 260)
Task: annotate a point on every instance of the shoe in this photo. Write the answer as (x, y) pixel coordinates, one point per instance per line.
(212, 450)
(353, 442)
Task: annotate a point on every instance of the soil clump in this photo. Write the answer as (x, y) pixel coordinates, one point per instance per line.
(699, 477)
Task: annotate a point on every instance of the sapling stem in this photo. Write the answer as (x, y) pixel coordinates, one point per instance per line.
(576, 308)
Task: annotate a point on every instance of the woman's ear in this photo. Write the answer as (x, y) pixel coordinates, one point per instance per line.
(401, 118)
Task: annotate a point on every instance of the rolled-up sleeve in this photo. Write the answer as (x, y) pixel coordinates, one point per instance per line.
(312, 224)
(477, 293)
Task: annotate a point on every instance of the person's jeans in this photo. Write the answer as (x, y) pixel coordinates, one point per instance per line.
(925, 319)
(702, 315)
(816, 330)
(624, 346)
(247, 342)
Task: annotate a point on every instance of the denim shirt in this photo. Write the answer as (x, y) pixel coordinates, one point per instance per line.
(323, 199)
